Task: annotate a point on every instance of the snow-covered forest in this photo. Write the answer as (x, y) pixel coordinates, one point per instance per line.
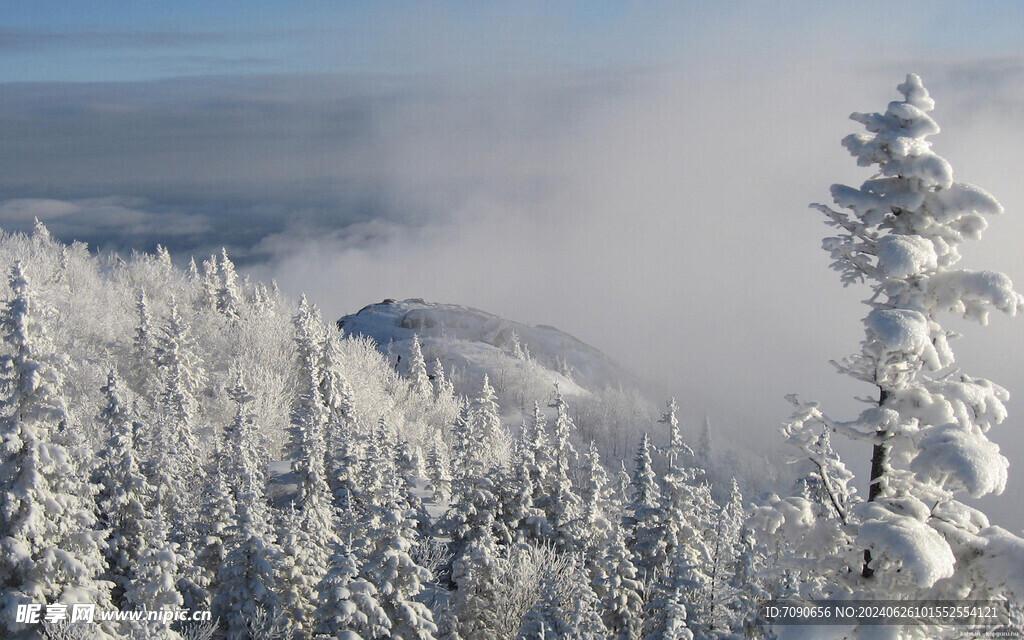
(184, 438)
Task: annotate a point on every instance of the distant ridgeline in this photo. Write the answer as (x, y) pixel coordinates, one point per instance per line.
(479, 342)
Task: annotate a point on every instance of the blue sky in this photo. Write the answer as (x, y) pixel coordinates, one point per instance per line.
(116, 41)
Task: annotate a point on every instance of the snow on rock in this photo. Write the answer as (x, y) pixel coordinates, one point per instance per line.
(471, 342)
(960, 460)
(908, 544)
(901, 256)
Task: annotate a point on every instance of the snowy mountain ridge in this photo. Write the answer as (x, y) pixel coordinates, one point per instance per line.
(470, 343)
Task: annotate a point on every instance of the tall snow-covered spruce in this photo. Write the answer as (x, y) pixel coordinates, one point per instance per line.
(900, 233)
(51, 548)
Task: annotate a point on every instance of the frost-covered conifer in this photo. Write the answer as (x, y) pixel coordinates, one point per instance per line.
(124, 494)
(229, 295)
(144, 349)
(485, 418)
(689, 537)
(669, 620)
(473, 491)
(337, 396)
(594, 526)
(829, 481)
(215, 519)
(704, 446)
(623, 483)
(445, 388)
(307, 536)
(726, 552)
(439, 468)
(177, 447)
(309, 413)
(50, 542)
(448, 623)
(620, 591)
(298, 573)
(900, 233)
(418, 370)
(210, 284)
(348, 607)
(398, 578)
(246, 457)
(248, 577)
(163, 258)
(155, 576)
(476, 575)
(522, 519)
(564, 502)
(676, 446)
(644, 517)
(536, 454)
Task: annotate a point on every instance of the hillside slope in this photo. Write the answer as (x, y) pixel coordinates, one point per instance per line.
(519, 358)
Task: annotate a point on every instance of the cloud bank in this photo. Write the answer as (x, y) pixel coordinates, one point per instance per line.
(659, 214)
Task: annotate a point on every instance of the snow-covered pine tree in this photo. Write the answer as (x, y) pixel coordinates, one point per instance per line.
(476, 576)
(308, 410)
(689, 537)
(704, 445)
(536, 454)
(210, 284)
(445, 387)
(398, 578)
(564, 505)
(621, 594)
(594, 526)
(307, 536)
(900, 232)
(248, 577)
(522, 521)
(676, 446)
(246, 457)
(726, 551)
(51, 548)
(485, 417)
(144, 371)
(623, 483)
(829, 481)
(439, 468)
(448, 623)
(154, 577)
(418, 377)
(669, 621)
(177, 453)
(297, 574)
(347, 604)
(644, 517)
(337, 397)
(473, 491)
(124, 494)
(215, 520)
(163, 259)
(229, 295)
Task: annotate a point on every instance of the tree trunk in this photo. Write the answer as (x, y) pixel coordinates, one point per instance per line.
(879, 460)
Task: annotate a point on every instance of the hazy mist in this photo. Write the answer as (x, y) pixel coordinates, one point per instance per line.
(657, 211)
